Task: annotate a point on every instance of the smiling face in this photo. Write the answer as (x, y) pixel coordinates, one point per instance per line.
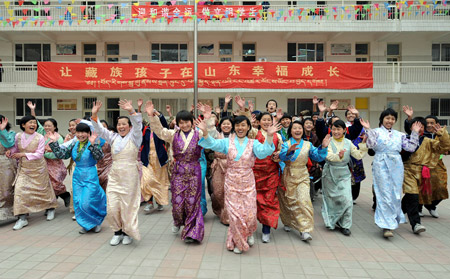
(350, 117)
(241, 129)
(226, 126)
(265, 122)
(30, 127)
(49, 127)
(388, 121)
(308, 125)
(123, 127)
(72, 127)
(271, 106)
(297, 131)
(337, 132)
(82, 136)
(185, 125)
(430, 123)
(285, 122)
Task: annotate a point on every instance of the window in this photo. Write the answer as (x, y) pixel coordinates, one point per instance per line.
(175, 105)
(112, 52)
(249, 52)
(169, 52)
(90, 52)
(305, 52)
(43, 107)
(87, 105)
(440, 52)
(296, 106)
(89, 11)
(393, 53)
(33, 52)
(112, 111)
(226, 52)
(230, 106)
(362, 52)
(31, 12)
(440, 107)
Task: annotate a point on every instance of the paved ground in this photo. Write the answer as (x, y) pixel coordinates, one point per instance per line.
(56, 250)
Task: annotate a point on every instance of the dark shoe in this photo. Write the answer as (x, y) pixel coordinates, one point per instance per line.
(346, 232)
(66, 199)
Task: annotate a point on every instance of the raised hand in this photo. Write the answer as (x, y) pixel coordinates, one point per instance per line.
(240, 101)
(437, 127)
(365, 124)
(140, 102)
(273, 129)
(207, 111)
(253, 120)
(149, 108)
(3, 124)
(93, 137)
(202, 126)
(408, 111)
(416, 126)
(250, 106)
(334, 105)
(52, 136)
(217, 110)
(228, 98)
(293, 148)
(322, 107)
(326, 141)
(126, 105)
(342, 153)
(96, 107)
(315, 100)
(279, 113)
(200, 107)
(169, 110)
(31, 105)
(353, 110)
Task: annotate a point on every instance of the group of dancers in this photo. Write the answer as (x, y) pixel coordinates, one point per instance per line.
(256, 166)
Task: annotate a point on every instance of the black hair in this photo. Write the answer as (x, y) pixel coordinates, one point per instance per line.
(222, 120)
(184, 115)
(285, 116)
(8, 126)
(387, 112)
(260, 116)
(330, 121)
(240, 119)
(104, 122)
(432, 117)
(289, 131)
(124, 117)
(73, 120)
(86, 117)
(217, 116)
(55, 124)
(346, 112)
(26, 119)
(308, 119)
(82, 127)
(271, 100)
(419, 119)
(340, 124)
(314, 113)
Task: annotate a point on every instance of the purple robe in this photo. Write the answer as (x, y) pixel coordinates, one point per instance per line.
(186, 186)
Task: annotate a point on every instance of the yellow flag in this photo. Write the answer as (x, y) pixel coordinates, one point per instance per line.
(6, 4)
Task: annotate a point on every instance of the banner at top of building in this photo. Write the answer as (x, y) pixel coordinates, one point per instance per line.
(181, 11)
(253, 75)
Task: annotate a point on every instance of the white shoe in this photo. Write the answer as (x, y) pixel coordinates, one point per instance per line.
(74, 218)
(188, 240)
(127, 240)
(148, 207)
(266, 238)
(434, 213)
(175, 229)
(98, 228)
(251, 240)
(287, 228)
(160, 207)
(418, 228)
(237, 251)
(116, 239)
(82, 231)
(305, 236)
(50, 214)
(20, 224)
(421, 214)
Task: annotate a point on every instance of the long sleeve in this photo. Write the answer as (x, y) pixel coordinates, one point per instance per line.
(321, 129)
(61, 151)
(102, 132)
(7, 138)
(331, 156)
(51, 155)
(442, 142)
(410, 144)
(96, 151)
(162, 133)
(284, 156)
(14, 148)
(358, 154)
(163, 121)
(40, 129)
(317, 154)
(262, 150)
(136, 130)
(372, 137)
(39, 152)
(407, 126)
(355, 129)
(219, 145)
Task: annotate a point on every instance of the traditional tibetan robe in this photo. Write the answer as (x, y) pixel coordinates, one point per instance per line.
(89, 199)
(240, 191)
(56, 168)
(337, 207)
(8, 169)
(104, 166)
(267, 177)
(33, 191)
(296, 209)
(428, 155)
(388, 172)
(218, 171)
(185, 181)
(438, 183)
(123, 191)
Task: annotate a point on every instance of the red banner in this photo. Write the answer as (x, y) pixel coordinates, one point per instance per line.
(255, 75)
(188, 10)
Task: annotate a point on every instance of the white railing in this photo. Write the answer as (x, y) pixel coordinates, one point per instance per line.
(15, 73)
(66, 14)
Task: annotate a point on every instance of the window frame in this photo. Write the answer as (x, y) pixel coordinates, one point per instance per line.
(306, 43)
(164, 43)
(41, 108)
(226, 56)
(250, 55)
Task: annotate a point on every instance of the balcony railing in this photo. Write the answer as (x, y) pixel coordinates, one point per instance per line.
(120, 12)
(23, 73)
